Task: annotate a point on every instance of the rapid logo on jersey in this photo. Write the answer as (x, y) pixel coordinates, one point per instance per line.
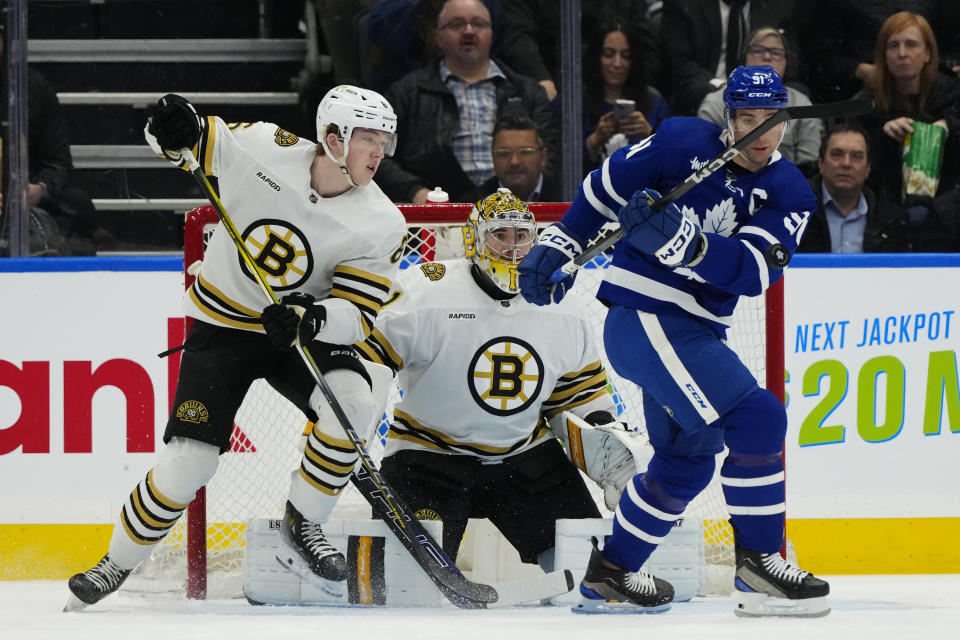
(280, 251)
(505, 376)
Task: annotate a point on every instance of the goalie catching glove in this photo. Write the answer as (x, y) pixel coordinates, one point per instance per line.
(297, 315)
(603, 449)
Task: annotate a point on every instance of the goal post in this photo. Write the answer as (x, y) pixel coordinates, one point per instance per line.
(253, 476)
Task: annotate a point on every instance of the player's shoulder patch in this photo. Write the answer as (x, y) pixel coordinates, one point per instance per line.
(284, 138)
(433, 270)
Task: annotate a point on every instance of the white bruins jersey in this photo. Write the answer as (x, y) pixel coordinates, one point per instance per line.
(346, 246)
(481, 376)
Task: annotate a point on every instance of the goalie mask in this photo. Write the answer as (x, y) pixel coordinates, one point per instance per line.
(500, 231)
(351, 109)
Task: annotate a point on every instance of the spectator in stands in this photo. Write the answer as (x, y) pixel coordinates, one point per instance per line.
(907, 87)
(62, 218)
(702, 40)
(446, 111)
(520, 162)
(801, 140)
(400, 33)
(837, 39)
(532, 27)
(850, 217)
(613, 72)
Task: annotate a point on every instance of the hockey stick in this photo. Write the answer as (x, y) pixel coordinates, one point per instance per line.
(429, 555)
(841, 109)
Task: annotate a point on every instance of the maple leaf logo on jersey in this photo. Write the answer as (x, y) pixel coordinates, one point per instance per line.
(721, 218)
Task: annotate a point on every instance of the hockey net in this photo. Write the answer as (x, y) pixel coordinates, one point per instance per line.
(202, 555)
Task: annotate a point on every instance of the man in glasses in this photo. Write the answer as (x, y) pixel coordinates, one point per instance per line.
(447, 110)
(519, 162)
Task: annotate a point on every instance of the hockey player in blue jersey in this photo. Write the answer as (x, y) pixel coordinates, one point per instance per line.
(675, 280)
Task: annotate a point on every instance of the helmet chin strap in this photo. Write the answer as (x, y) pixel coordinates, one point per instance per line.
(340, 162)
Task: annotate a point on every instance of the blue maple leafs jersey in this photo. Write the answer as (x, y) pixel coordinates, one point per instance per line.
(741, 214)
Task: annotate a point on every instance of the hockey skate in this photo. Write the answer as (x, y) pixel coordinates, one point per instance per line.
(92, 586)
(767, 585)
(304, 550)
(606, 590)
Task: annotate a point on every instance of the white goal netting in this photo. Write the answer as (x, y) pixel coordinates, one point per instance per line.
(253, 477)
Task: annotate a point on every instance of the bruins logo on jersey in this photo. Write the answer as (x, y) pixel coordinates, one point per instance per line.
(433, 270)
(280, 250)
(505, 376)
(284, 138)
(192, 411)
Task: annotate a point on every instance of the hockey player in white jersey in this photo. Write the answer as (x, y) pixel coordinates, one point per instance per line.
(485, 375)
(672, 288)
(328, 242)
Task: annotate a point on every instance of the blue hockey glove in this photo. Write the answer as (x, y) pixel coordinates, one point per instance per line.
(667, 235)
(556, 246)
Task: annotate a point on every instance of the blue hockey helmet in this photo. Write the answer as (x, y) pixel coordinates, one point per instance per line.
(754, 88)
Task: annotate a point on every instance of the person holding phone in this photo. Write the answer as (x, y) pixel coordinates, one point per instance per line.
(619, 108)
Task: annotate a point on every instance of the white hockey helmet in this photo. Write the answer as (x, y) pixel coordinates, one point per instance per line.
(500, 231)
(352, 108)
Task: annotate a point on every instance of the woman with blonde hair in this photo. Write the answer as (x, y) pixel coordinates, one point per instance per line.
(908, 88)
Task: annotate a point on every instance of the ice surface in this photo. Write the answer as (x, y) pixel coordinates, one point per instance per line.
(875, 607)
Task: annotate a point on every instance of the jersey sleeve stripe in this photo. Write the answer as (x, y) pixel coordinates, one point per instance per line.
(377, 348)
(762, 270)
(591, 369)
(223, 300)
(608, 184)
(206, 146)
(369, 307)
(580, 400)
(561, 393)
(601, 208)
(758, 231)
(372, 279)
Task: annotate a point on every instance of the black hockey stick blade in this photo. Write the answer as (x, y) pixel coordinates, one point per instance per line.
(462, 592)
(841, 109)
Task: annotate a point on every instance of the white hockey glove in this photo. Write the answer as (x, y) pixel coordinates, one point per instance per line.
(608, 453)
